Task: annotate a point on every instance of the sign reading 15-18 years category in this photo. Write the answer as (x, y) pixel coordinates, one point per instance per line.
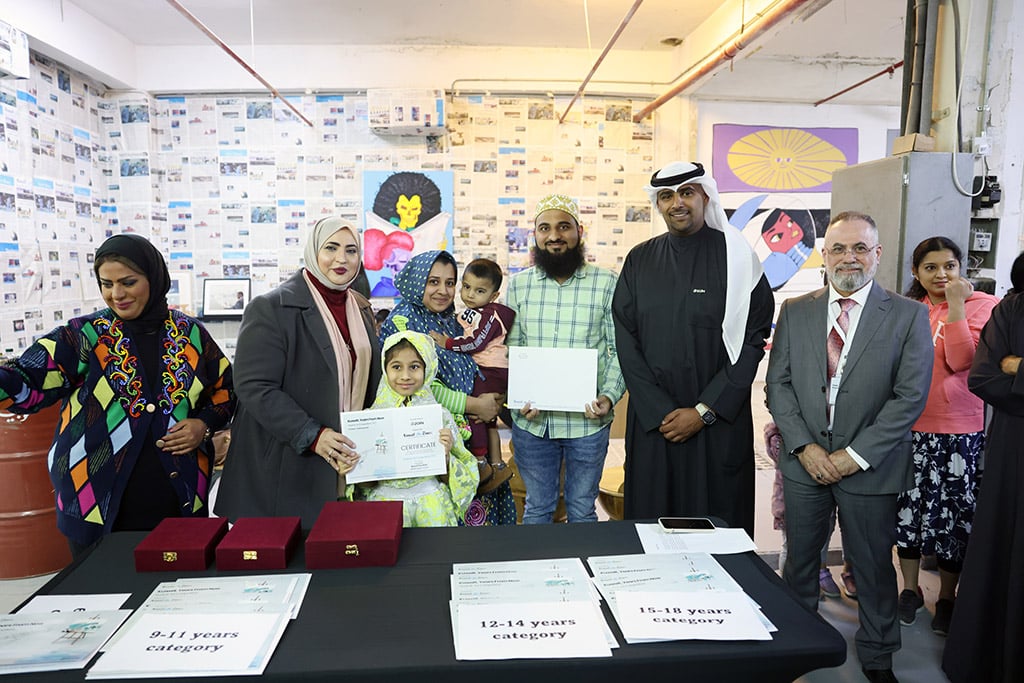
(395, 443)
(704, 615)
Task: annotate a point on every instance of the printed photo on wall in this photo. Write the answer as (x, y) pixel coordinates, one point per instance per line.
(180, 294)
(225, 297)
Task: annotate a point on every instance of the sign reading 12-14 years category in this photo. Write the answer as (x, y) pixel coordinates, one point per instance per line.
(529, 631)
(395, 443)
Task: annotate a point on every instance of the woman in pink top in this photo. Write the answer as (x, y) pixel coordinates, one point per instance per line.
(935, 516)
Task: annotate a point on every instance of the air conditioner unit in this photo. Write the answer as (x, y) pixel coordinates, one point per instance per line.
(406, 111)
(13, 52)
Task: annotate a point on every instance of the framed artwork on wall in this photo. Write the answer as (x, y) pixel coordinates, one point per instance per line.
(225, 297)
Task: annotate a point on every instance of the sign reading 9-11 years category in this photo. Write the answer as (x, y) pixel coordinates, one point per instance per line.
(395, 443)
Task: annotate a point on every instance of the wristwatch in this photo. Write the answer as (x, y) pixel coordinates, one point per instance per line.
(707, 415)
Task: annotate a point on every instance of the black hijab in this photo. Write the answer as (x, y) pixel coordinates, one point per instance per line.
(146, 259)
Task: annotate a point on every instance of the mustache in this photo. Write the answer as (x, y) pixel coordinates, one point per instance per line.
(559, 264)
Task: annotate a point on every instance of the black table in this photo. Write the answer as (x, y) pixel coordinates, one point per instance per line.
(393, 623)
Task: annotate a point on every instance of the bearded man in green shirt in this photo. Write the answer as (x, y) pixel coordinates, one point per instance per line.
(564, 302)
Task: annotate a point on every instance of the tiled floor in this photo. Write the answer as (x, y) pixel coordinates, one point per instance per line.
(917, 662)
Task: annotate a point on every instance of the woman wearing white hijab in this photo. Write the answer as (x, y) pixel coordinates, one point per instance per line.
(306, 352)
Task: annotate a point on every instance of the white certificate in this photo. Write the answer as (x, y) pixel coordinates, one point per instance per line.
(721, 541)
(395, 443)
(41, 604)
(551, 379)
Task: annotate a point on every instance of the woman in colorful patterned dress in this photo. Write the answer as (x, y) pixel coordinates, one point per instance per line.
(142, 389)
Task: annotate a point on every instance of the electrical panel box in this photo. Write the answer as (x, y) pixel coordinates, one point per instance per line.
(911, 197)
(981, 241)
(982, 249)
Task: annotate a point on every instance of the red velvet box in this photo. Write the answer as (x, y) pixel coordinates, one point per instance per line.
(356, 534)
(259, 543)
(180, 544)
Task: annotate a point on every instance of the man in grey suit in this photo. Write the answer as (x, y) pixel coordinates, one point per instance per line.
(848, 376)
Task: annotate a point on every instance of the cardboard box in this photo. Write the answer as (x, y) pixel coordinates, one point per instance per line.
(180, 544)
(256, 543)
(356, 534)
(915, 142)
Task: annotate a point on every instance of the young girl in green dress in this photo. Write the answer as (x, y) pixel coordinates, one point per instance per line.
(410, 364)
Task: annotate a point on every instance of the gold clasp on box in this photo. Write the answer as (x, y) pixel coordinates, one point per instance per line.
(352, 549)
(170, 556)
(250, 555)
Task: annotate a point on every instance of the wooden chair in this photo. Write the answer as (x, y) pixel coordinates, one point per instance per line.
(519, 491)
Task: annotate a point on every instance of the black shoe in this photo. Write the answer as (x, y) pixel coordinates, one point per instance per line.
(943, 615)
(911, 602)
(880, 676)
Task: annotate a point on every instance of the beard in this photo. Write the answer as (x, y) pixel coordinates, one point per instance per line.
(559, 266)
(852, 280)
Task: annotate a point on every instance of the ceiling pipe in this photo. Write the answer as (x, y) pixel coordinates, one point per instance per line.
(231, 53)
(726, 52)
(924, 125)
(891, 69)
(907, 93)
(611, 41)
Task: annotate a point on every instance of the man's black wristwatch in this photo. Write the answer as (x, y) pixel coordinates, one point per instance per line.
(707, 415)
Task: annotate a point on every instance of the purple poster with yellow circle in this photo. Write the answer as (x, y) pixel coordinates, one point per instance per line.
(778, 159)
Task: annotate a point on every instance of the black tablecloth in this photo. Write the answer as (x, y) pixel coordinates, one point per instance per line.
(393, 623)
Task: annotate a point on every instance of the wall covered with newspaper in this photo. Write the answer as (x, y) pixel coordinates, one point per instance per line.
(228, 185)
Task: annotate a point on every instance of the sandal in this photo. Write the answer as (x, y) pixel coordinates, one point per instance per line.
(492, 476)
(849, 585)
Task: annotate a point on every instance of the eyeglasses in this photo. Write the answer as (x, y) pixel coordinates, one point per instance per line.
(856, 250)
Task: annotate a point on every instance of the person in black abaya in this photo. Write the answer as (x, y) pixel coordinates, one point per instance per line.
(692, 310)
(988, 623)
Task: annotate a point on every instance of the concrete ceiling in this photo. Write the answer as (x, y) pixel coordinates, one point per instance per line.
(806, 59)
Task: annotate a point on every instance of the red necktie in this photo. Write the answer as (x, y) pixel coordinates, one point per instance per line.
(835, 341)
(835, 347)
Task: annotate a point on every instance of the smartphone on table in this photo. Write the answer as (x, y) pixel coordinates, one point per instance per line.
(678, 525)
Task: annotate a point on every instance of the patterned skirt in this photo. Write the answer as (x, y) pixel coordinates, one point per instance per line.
(494, 508)
(936, 515)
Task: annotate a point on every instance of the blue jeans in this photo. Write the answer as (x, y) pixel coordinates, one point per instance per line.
(539, 460)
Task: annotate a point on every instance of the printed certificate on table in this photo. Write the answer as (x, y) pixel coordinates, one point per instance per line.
(551, 379)
(395, 443)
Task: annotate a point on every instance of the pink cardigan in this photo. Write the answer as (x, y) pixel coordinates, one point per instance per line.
(951, 407)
